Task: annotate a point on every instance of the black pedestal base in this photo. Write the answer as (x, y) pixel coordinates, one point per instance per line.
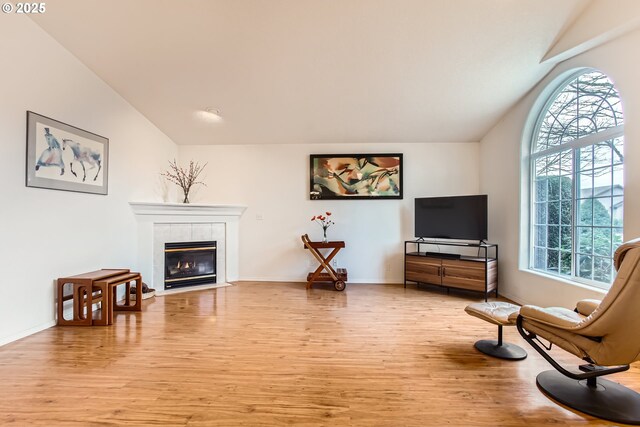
(505, 351)
(608, 401)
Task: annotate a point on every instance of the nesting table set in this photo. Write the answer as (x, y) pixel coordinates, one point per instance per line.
(98, 286)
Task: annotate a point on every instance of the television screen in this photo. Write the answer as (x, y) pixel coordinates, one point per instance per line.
(458, 217)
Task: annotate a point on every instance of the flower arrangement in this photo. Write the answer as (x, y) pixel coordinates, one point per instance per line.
(184, 178)
(324, 222)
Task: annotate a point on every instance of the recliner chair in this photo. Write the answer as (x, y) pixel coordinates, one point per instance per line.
(604, 333)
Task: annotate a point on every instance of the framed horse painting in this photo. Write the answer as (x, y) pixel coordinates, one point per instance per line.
(64, 157)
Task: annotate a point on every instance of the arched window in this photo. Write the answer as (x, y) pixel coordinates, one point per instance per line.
(577, 189)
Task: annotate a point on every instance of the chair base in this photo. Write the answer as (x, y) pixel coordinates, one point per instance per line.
(505, 351)
(608, 401)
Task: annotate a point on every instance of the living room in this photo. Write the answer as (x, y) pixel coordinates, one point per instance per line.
(456, 88)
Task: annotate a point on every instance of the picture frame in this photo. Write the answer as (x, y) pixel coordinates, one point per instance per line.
(355, 176)
(64, 157)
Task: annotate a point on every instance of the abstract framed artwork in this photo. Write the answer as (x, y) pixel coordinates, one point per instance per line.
(355, 176)
(64, 157)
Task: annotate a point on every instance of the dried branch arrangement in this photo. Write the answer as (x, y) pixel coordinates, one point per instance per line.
(184, 178)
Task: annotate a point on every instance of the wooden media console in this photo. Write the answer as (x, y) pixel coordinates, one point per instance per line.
(450, 270)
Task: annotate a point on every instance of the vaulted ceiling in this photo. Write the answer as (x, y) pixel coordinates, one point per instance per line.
(316, 71)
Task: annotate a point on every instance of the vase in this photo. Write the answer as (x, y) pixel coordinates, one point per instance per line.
(186, 198)
(324, 237)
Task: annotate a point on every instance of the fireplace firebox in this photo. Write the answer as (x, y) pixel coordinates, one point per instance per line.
(189, 264)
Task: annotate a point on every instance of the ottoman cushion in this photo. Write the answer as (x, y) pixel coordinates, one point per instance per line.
(496, 312)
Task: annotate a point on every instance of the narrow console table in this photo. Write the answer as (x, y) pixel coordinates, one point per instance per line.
(449, 270)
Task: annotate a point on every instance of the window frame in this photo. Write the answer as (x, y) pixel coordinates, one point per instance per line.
(573, 146)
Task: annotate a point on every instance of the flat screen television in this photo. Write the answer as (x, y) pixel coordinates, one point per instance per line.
(457, 217)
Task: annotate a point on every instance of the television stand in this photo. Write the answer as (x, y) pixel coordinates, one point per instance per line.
(478, 272)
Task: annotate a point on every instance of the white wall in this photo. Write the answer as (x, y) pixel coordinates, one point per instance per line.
(501, 170)
(273, 181)
(45, 234)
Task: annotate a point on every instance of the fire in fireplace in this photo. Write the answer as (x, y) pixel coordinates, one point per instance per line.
(189, 263)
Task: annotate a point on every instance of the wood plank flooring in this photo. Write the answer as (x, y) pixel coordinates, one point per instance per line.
(271, 354)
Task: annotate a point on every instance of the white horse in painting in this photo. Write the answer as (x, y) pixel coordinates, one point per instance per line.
(52, 156)
(83, 155)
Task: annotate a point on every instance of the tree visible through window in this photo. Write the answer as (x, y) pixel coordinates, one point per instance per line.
(577, 192)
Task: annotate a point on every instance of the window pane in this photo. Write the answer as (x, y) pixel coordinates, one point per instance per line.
(602, 269)
(541, 166)
(565, 263)
(541, 213)
(602, 241)
(553, 237)
(566, 163)
(570, 131)
(602, 179)
(553, 165)
(566, 188)
(617, 238)
(554, 213)
(586, 158)
(602, 154)
(617, 209)
(585, 212)
(539, 258)
(618, 150)
(565, 238)
(586, 184)
(598, 100)
(618, 180)
(565, 212)
(585, 266)
(585, 240)
(547, 137)
(586, 125)
(553, 188)
(552, 261)
(602, 211)
(541, 235)
(541, 189)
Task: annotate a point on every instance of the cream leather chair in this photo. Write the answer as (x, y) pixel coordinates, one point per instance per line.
(604, 333)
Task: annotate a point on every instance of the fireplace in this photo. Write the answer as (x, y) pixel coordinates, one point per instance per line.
(161, 223)
(189, 263)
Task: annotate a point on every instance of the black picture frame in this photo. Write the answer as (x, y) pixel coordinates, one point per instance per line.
(64, 157)
(355, 176)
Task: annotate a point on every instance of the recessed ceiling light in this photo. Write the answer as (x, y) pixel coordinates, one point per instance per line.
(210, 114)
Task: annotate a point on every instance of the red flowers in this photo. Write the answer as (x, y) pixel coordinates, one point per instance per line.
(323, 220)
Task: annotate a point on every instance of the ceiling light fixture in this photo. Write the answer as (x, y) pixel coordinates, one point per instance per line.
(210, 114)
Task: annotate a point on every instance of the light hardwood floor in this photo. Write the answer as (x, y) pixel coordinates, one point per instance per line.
(259, 354)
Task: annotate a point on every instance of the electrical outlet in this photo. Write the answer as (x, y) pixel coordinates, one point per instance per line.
(334, 262)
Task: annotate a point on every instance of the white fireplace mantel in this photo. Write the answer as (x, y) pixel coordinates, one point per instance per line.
(164, 209)
(159, 223)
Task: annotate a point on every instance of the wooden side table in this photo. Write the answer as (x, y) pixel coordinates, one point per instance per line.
(108, 287)
(82, 295)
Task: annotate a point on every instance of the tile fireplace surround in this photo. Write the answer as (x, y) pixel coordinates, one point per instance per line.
(160, 223)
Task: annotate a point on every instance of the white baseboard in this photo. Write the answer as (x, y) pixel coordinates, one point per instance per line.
(23, 334)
